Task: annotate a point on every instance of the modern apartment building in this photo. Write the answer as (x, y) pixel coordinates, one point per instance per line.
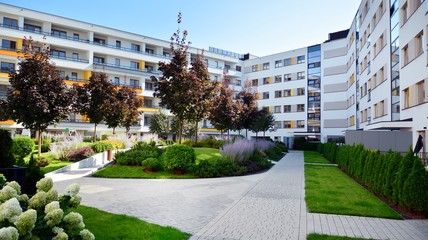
(371, 76)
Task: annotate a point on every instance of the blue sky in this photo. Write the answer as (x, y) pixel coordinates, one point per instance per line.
(258, 27)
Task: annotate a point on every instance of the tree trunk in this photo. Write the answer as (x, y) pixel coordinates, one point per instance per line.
(246, 133)
(180, 131)
(114, 131)
(94, 138)
(228, 134)
(196, 135)
(40, 144)
(264, 134)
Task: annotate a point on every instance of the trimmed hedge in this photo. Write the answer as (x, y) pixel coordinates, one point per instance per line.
(101, 146)
(139, 152)
(22, 146)
(179, 158)
(151, 165)
(220, 168)
(6, 156)
(206, 143)
(401, 180)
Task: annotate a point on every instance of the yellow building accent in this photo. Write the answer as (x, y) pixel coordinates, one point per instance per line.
(85, 118)
(146, 109)
(8, 122)
(292, 92)
(71, 82)
(292, 124)
(270, 80)
(87, 74)
(138, 90)
(351, 39)
(258, 67)
(209, 130)
(19, 44)
(142, 65)
(270, 109)
(258, 96)
(293, 61)
(4, 75)
(11, 53)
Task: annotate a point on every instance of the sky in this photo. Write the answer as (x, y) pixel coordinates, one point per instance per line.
(243, 26)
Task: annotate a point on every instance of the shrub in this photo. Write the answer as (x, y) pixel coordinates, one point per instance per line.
(210, 143)
(403, 172)
(43, 162)
(32, 175)
(22, 146)
(281, 146)
(115, 144)
(394, 159)
(6, 156)
(274, 153)
(179, 158)
(238, 151)
(415, 189)
(76, 155)
(139, 152)
(60, 149)
(300, 143)
(46, 147)
(257, 157)
(43, 216)
(101, 146)
(151, 165)
(220, 168)
(166, 142)
(123, 137)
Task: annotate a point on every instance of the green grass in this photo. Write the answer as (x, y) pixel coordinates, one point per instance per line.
(54, 165)
(329, 190)
(314, 236)
(107, 226)
(120, 171)
(210, 154)
(314, 157)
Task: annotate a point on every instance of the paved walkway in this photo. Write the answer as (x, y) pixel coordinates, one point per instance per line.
(263, 206)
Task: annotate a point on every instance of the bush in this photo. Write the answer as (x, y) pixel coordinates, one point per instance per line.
(22, 146)
(46, 147)
(274, 153)
(76, 155)
(101, 146)
(415, 189)
(139, 152)
(220, 168)
(394, 159)
(404, 170)
(179, 158)
(43, 162)
(115, 144)
(281, 146)
(210, 143)
(151, 165)
(166, 142)
(300, 143)
(257, 157)
(6, 156)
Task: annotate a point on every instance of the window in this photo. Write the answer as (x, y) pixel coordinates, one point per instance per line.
(278, 94)
(287, 108)
(300, 91)
(98, 59)
(135, 65)
(135, 47)
(149, 86)
(7, 67)
(301, 75)
(418, 44)
(255, 68)
(287, 62)
(135, 83)
(150, 51)
(238, 82)
(265, 66)
(278, 124)
(116, 81)
(404, 12)
(265, 95)
(300, 107)
(300, 124)
(278, 79)
(238, 68)
(149, 68)
(61, 74)
(32, 28)
(255, 82)
(278, 63)
(265, 80)
(99, 41)
(75, 56)
(287, 77)
(287, 124)
(405, 55)
(287, 92)
(407, 99)
(117, 62)
(76, 36)
(420, 88)
(148, 103)
(8, 45)
(59, 33)
(301, 59)
(277, 109)
(74, 76)
(147, 121)
(58, 54)
(9, 22)
(118, 44)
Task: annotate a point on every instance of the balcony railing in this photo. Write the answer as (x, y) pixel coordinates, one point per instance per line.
(70, 59)
(83, 41)
(127, 85)
(126, 67)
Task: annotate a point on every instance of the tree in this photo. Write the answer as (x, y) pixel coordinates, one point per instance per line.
(169, 88)
(187, 128)
(38, 97)
(114, 110)
(263, 120)
(131, 103)
(222, 114)
(201, 92)
(93, 98)
(247, 98)
(160, 124)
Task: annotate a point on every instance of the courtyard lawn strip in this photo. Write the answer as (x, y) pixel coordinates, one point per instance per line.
(314, 236)
(314, 157)
(54, 165)
(329, 190)
(108, 226)
(121, 171)
(210, 154)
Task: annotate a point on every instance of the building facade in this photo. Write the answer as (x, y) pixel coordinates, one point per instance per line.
(372, 76)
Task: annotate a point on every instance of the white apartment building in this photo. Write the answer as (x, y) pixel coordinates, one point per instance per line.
(372, 76)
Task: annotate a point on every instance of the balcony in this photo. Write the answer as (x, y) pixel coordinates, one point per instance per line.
(127, 85)
(70, 59)
(126, 68)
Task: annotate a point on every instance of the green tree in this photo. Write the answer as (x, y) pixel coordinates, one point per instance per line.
(38, 97)
(415, 188)
(160, 124)
(6, 156)
(187, 128)
(247, 98)
(263, 120)
(402, 175)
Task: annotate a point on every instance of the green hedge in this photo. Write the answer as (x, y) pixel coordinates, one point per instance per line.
(401, 180)
(22, 146)
(139, 152)
(179, 159)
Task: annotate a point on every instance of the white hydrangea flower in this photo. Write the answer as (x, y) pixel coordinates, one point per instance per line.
(7, 193)
(54, 217)
(9, 233)
(74, 221)
(10, 210)
(86, 235)
(72, 190)
(75, 201)
(38, 200)
(23, 198)
(61, 236)
(52, 206)
(52, 195)
(15, 186)
(44, 184)
(57, 230)
(26, 222)
(2, 178)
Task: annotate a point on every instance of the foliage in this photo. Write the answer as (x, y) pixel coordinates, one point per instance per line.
(219, 168)
(179, 158)
(315, 236)
(247, 101)
(301, 143)
(166, 142)
(32, 175)
(115, 144)
(223, 110)
(139, 152)
(46, 147)
(60, 149)
(262, 120)
(6, 156)
(160, 124)
(417, 182)
(188, 129)
(44, 215)
(238, 151)
(22, 146)
(131, 103)
(101, 146)
(205, 143)
(128, 142)
(76, 155)
(274, 153)
(403, 173)
(38, 97)
(281, 146)
(329, 150)
(151, 165)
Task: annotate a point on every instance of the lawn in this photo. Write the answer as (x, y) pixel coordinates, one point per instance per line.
(314, 236)
(329, 190)
(314, 157)
(210, 154)
(106, 226)
(120, 171)
(54, 165)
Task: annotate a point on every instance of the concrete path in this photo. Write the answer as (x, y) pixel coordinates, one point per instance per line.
(263, 206)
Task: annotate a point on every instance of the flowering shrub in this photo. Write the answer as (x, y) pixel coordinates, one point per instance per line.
(80, 153)
(123, 138)
(41, 216)
(242, 149)
(115, 144)
(60, 149)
